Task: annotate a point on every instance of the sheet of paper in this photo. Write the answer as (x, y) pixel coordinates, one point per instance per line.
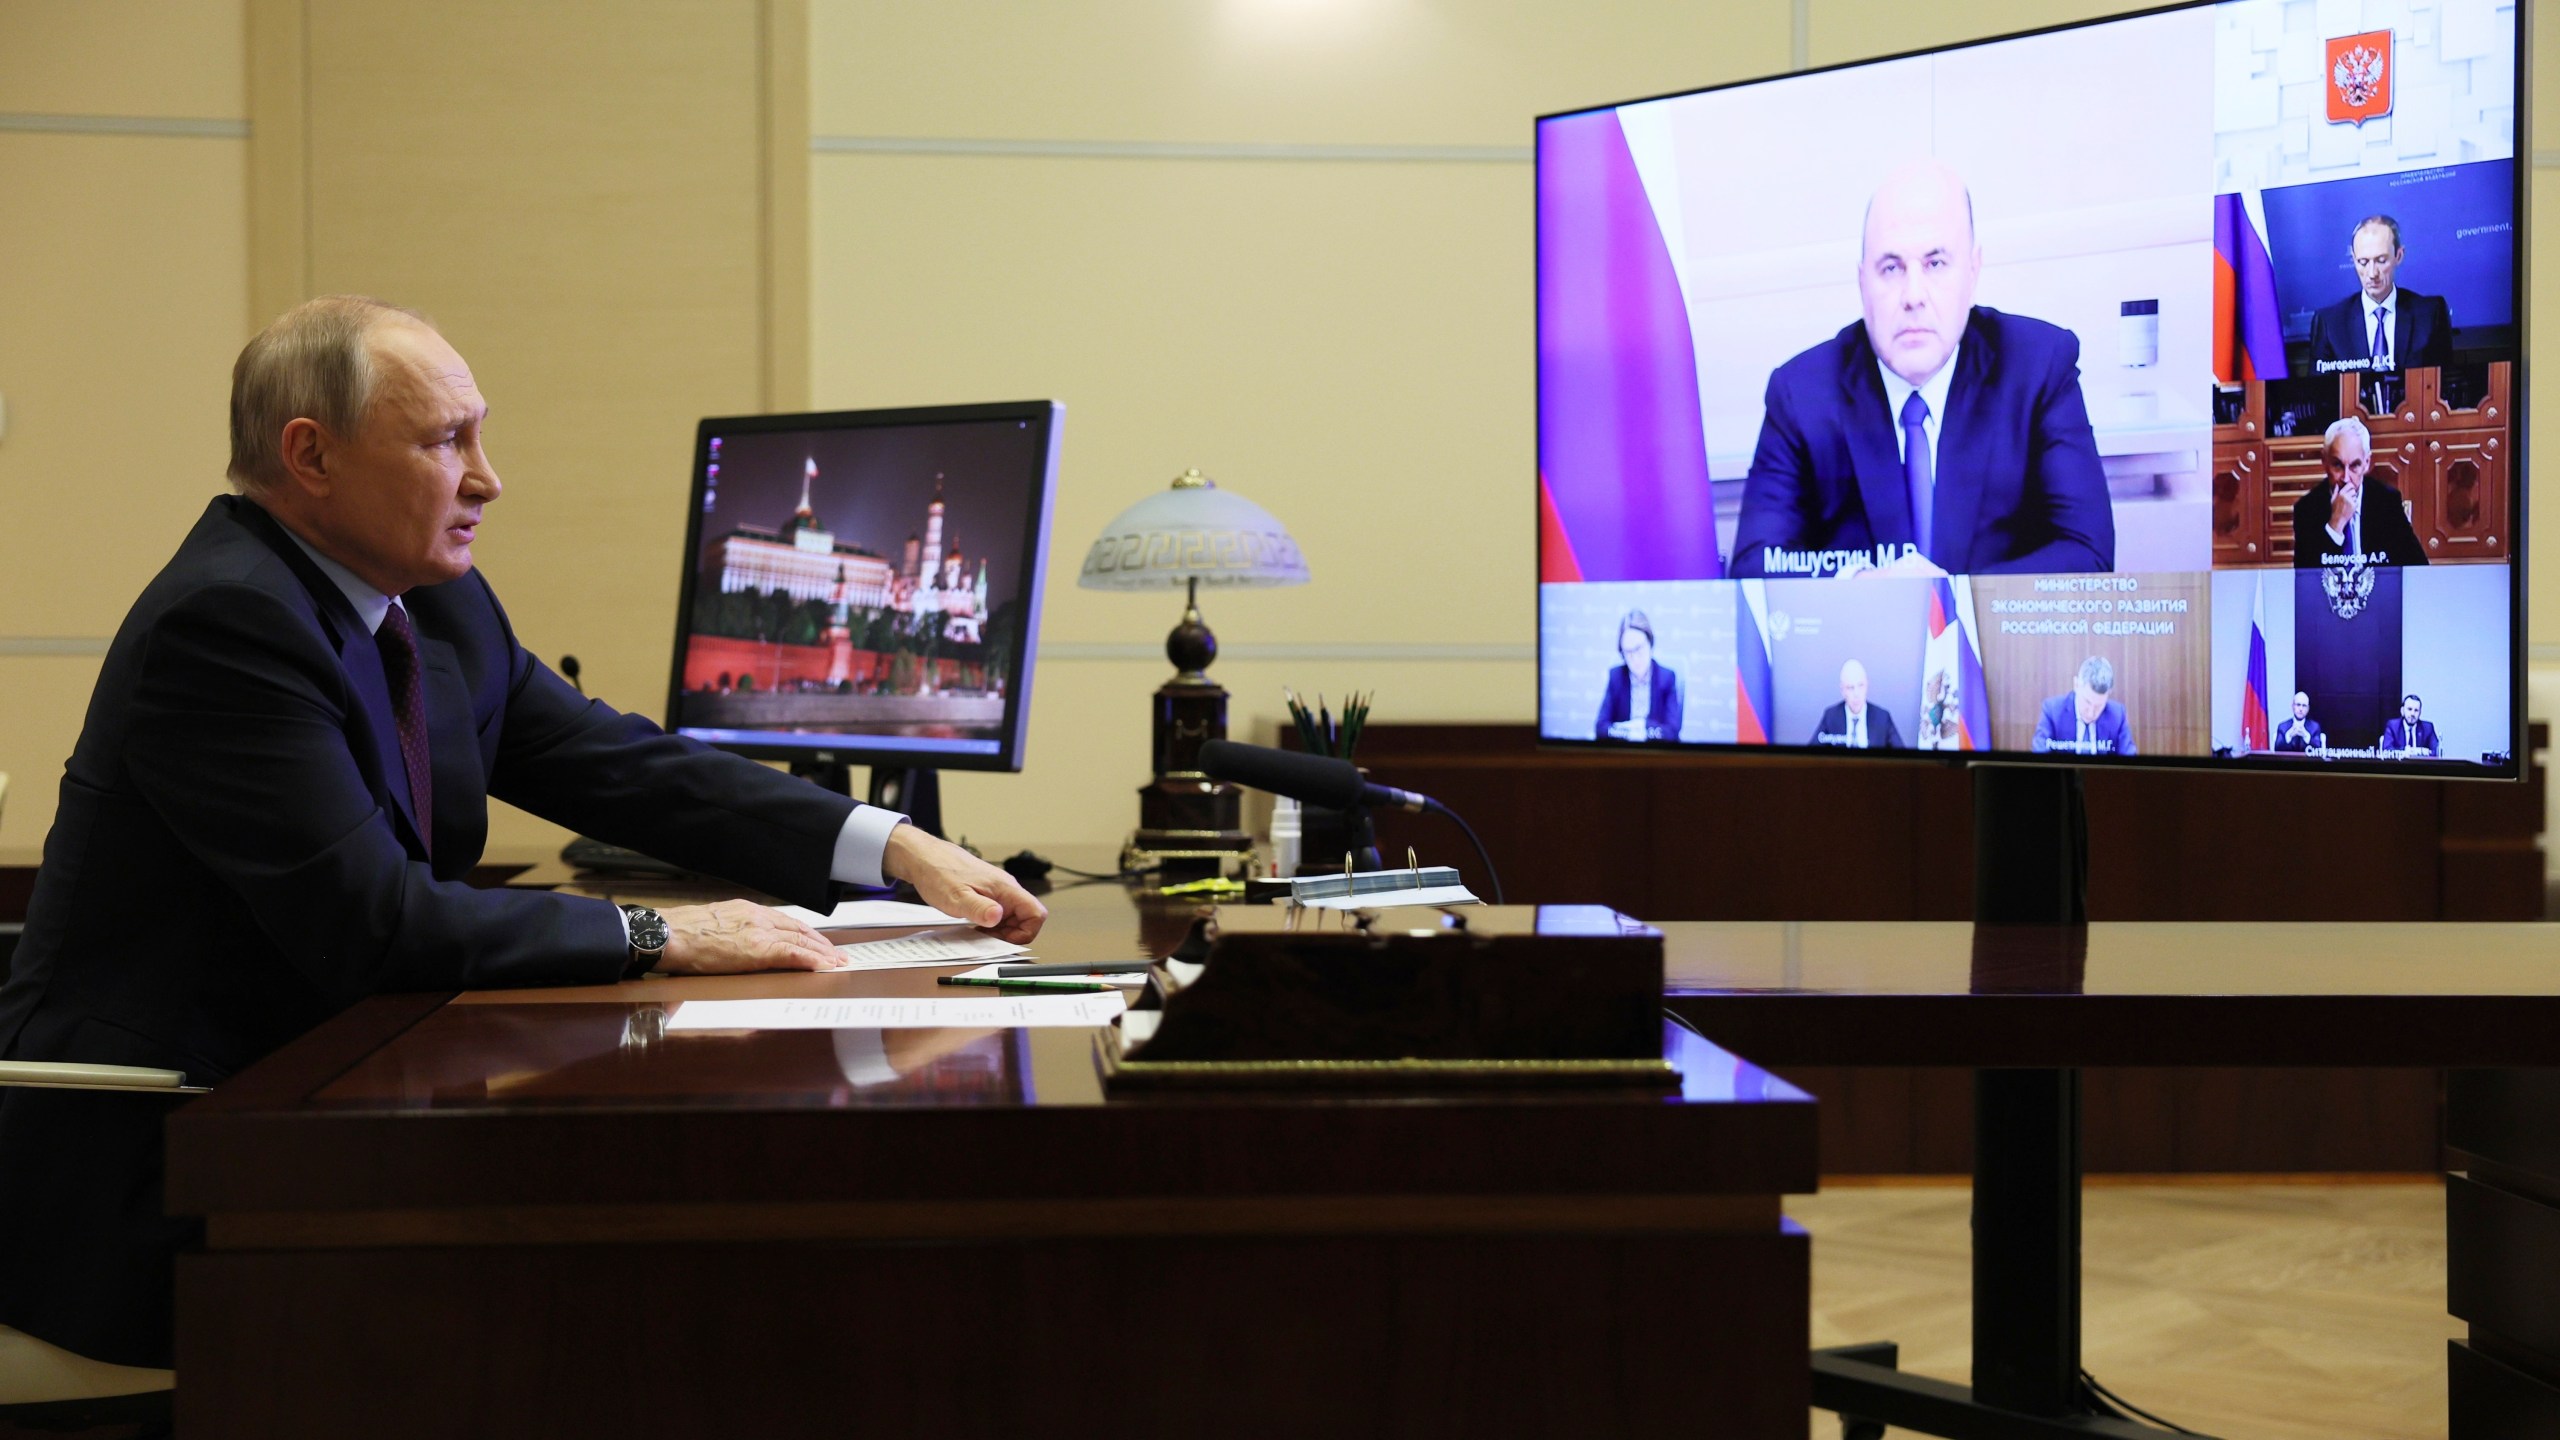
(1383, 899)
(975, 1012)
(952, 945)
(869, 915)
(1133, 979)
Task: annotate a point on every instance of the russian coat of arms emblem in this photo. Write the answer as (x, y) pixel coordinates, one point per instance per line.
(2359, 77)
(2349, 587)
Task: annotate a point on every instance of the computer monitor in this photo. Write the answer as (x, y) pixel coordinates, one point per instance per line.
(2148, 391)
(862, 587)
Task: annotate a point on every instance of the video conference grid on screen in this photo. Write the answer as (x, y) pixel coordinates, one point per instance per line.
(2145, 388)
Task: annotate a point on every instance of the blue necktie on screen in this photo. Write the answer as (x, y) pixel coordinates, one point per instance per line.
(1916, 468)
(2380, 349)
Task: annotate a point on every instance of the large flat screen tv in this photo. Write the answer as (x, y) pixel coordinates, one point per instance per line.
(2142, 392)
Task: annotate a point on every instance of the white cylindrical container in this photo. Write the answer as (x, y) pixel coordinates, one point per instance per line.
(1284, 836)
(2138, 333)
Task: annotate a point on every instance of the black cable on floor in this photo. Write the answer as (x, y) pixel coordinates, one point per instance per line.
(2108, 1399)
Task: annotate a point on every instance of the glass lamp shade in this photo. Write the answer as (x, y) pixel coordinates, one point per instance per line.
(1192, 532)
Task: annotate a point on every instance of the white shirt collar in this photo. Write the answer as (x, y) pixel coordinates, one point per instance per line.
(1933, 392)
(2371, 304)
(371, 604)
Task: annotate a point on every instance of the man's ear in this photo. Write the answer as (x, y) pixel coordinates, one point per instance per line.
(305, 453)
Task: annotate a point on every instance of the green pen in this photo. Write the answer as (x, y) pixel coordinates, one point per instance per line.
(1072, 987)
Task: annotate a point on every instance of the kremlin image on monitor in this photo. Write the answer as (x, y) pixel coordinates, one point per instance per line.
(857, 582)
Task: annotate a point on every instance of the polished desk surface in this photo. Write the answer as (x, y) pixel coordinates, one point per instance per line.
(2166, 994)
(576, 1095)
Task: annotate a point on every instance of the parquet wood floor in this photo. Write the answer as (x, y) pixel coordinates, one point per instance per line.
(2246, 1311)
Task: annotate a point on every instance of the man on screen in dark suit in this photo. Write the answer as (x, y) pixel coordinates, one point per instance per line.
(282, 786)
(2381, 326)
(2299, 733)
(1854, 723)
(2352, 518)
(2407, 735)
(2088, 721)
(1950, 437)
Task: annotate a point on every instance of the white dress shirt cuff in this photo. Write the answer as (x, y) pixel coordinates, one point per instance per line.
(2335, 538)
(862, 844)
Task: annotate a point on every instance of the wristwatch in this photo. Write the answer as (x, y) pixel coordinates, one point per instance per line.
(648, 940)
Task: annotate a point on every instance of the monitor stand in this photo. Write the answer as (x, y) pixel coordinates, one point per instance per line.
(2030, 868)
(913, 790)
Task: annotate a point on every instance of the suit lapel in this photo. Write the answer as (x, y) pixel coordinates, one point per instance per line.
(390, 777)
(1958, 491)
(2404, 327)
(376, 741)
(1874, 451)
(453, 749)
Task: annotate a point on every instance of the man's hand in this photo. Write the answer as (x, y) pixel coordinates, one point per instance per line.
(735, 936)
(2343, 500)
(956, 882)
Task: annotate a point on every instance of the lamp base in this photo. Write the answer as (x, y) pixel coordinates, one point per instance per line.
(1188, 824)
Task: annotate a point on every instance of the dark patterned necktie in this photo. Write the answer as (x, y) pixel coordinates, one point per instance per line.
(399, 646)
(1917, 472)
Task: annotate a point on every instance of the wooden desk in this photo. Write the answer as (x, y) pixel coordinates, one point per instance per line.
(2040, 1003)
(535, 1214)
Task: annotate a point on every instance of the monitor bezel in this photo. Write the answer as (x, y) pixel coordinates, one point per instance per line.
(2518, 470)
(1046, 417)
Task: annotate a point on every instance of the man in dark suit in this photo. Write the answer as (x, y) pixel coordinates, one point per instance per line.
(2298, 732)
(2088, 721)
(2351, 518)
(1853, 723)
(2381, 326)
(2409, 735)
(282, 785)
(1935, 436)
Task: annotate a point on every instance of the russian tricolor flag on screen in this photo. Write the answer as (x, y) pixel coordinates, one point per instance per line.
(2253, 695)
(1753, 709)
(1955, 708)
(2248, 329)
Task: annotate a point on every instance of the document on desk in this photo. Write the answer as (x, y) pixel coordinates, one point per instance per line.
(1387, 899)
(892, 1013)
(868, 915)
(951, 945)
(1131, 979)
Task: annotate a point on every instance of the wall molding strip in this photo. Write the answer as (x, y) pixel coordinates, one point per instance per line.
(53, 644)
(1351, 650)
(194, 129)
(1171, 150)
(2546, 159)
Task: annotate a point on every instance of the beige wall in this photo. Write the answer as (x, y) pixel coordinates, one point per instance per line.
(1345, 340)
(621, 226)
(123, 296)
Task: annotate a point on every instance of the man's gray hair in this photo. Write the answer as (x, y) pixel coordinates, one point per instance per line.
(2385, 221)
(2349, 425)
(313, 363)
(2097, 674)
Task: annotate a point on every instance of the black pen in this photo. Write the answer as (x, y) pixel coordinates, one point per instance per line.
(1059, 986)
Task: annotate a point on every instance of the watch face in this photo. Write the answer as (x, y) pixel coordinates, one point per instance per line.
(648, 929)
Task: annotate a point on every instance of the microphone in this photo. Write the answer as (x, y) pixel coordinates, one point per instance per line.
(1309, 779)
(569, 672)
(1323, 780)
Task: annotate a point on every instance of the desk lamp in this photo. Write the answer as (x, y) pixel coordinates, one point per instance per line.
(1191, 535)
